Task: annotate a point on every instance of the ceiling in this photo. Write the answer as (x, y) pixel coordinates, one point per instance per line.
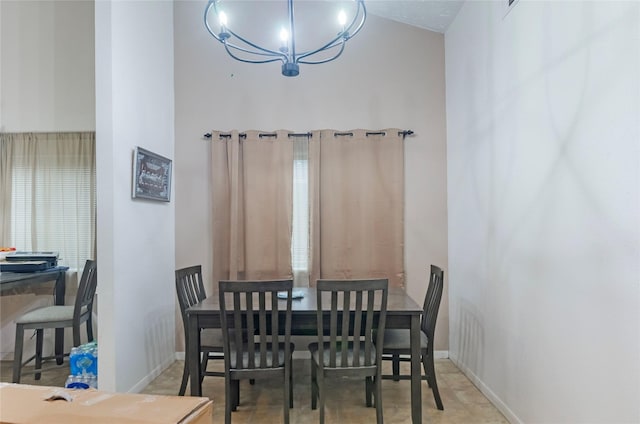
(434, 15)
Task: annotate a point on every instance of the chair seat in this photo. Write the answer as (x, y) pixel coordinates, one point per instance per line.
(399, 339)
(47, 314)
(58, 317)
(313, 348)
(245, 356)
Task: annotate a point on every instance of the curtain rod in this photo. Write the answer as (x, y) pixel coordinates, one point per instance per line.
(403, 133)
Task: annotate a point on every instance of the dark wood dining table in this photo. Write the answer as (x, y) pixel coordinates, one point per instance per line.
(13, 281)
(402, 312)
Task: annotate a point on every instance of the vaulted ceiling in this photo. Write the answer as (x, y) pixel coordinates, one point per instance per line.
(434, 15)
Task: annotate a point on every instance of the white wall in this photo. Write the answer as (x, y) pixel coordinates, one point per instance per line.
(543, 193)
(390, 75)
(47, 66)
(136, 253)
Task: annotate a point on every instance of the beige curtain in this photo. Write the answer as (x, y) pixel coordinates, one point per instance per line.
(251, 178)
(356, 205)
(48, 198)
(6, 183)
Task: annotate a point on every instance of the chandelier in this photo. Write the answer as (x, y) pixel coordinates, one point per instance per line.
(244, 50)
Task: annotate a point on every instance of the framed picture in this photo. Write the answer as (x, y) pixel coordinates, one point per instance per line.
(151, 176)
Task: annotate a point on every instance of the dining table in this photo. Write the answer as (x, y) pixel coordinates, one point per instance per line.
(402, 312)
(14, 282)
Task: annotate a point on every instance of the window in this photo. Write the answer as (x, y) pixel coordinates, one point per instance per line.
(300, 233)
(53, 199)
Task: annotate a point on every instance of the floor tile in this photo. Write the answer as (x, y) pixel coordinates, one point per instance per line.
(345, 402)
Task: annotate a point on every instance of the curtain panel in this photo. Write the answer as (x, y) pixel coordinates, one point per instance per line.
(354, 190)
(48, 198)
(6, 184)
(356, 201)
(251, 176)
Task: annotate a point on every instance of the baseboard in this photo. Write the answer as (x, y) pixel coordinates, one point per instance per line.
(440, 354)
(493, 398)
(144, 382)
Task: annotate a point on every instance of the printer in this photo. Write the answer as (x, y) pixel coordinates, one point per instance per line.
(29, 261)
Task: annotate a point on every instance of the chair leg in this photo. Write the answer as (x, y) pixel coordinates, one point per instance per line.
(235, 394)
(227, 400)
(368, 391)
(396, 367)
(291, 383)
(321, 393)
(39, 340)
(17, 354)
(76, 335)
(286, 391)
(203, 365)
(89, 325)
(185, 379)
(429, 369)
(378, 397)
(314, 386)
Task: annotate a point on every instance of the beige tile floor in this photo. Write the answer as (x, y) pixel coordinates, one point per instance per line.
(261, 403)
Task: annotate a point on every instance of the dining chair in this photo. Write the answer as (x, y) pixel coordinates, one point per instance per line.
(253, 307)
(190, 290)
(397, 347)
(356, 308)
(56, 316)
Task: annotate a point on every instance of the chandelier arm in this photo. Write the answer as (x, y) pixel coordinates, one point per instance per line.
(307, 62)
(364, 18)
(210, 4)
(333, 44)
(229, 46)
(265, 51)
(340, 39)
(230, 52)
(206, 22)
(262, 51)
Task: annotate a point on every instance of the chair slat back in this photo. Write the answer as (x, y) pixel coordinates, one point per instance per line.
(190, 289)
(190, 286)
(357, 307)
(432, 302)
(253, 319)
(86, 289)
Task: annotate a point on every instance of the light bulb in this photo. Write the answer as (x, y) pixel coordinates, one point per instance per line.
(284, 35)
(222, 17)
(342, 18)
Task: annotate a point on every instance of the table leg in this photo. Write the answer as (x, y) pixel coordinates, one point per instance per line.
(58, 298)
(416, 372)
(193, 355)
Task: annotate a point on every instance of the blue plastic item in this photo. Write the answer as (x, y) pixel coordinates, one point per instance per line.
(83, 359)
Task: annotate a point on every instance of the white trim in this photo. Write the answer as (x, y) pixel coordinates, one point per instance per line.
(146, 380)
(493, 398)
(440, 354)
